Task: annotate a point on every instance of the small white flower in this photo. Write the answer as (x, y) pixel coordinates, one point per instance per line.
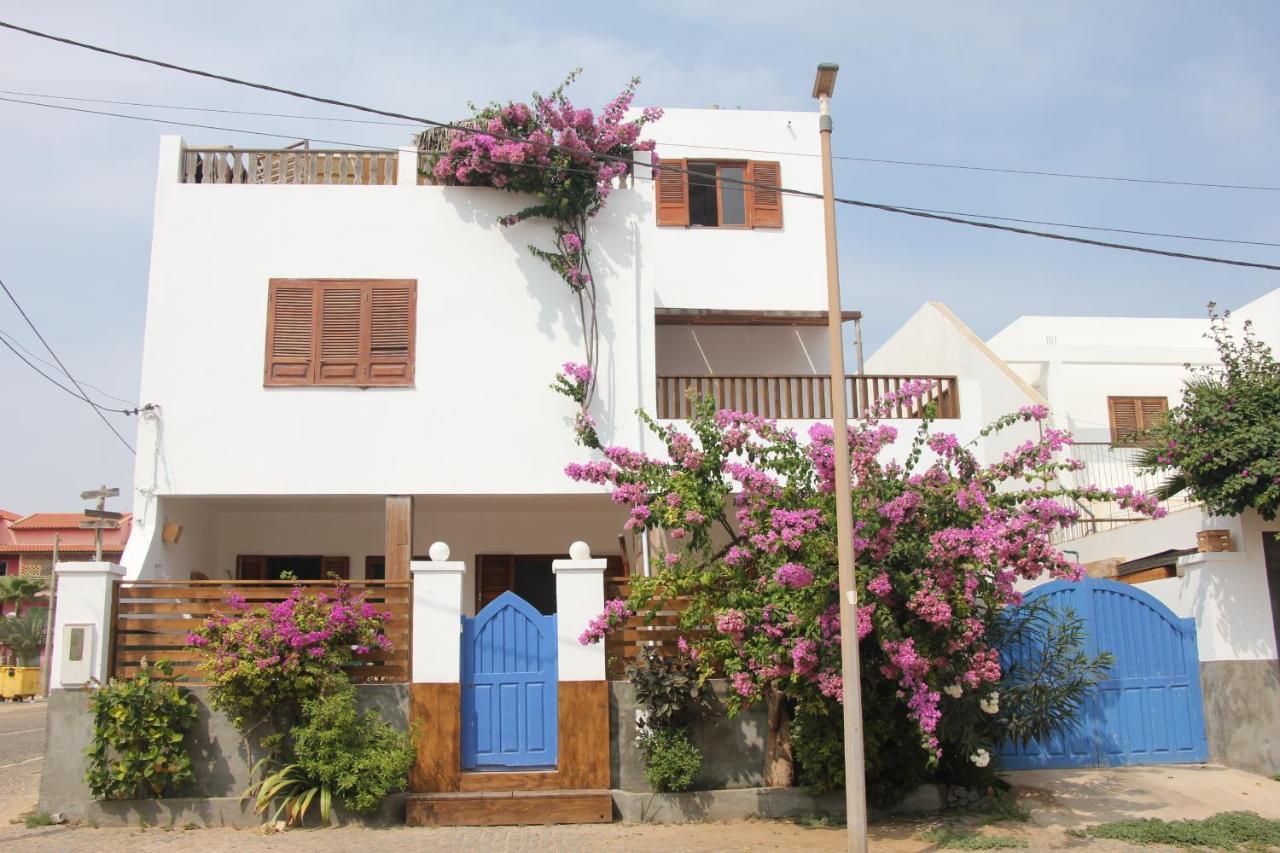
(953, 690)
(991, 704)
(981, 758)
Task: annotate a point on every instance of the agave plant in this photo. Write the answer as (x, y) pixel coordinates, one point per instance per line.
(291, 791)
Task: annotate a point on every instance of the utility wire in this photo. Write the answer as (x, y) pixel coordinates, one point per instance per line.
(13, 339)
(851, 158)
(97, 410)
(1008, 171)
(614, 158)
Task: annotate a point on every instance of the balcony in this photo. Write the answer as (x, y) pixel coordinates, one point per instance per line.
(1109, 467)
(804, 397)
(220, 165)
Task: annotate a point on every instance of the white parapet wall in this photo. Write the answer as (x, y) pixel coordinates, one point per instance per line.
(82, 624)
(436, 653)
(579, 599)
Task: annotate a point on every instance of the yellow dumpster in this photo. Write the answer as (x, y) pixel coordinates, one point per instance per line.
(19, 682)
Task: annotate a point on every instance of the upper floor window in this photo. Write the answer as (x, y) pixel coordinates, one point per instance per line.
(719, 193)
(352, 332)
(1132, 416)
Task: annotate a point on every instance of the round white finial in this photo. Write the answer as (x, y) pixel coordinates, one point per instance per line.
(580, 551)
(439, 552)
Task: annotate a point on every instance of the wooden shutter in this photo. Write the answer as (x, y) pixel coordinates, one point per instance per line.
(251, 568)
(340, 566)
(290, 333)
(343, 334)
(393, 312)
(1124, 419)
(495, 574)
(1153, 410)
(765, 203)
(673, 192)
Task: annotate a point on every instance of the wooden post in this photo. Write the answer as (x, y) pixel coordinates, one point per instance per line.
(399, 536)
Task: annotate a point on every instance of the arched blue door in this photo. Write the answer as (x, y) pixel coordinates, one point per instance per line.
(509, 678)
(1149, 711)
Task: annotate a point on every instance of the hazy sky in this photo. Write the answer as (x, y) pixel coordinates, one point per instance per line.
(1162, 89)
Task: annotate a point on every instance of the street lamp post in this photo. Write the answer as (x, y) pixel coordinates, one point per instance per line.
(824, 85)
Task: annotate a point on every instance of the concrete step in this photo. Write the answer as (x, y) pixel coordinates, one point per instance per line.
(506, 808)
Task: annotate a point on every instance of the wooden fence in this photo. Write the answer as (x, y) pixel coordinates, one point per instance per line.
(804, 397)
(276, 166)
(661, 632)
(153, 618)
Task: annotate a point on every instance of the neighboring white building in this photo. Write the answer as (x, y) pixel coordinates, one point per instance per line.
(1103, 378)
(268, 448)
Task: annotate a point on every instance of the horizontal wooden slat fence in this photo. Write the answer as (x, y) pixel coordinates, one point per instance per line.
(276, 166)
(153, 618)
(804, 397)
(663, 631)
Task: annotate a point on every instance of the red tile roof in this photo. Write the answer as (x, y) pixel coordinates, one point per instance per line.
(45, 548)
(5, 515)
(54, 521)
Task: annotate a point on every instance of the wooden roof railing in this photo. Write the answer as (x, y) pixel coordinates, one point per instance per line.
(804, 397)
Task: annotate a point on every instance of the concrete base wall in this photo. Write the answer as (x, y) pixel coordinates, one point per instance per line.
(732, 747)
(1242, 713)
(220, 755)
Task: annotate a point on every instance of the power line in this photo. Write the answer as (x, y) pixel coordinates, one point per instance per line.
(12, 339)
(1008, 171)
(614, 158)
(97, 410)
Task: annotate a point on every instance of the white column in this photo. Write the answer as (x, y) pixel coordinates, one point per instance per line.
(407, 167)
(579, 599)
(437, 617)
(82, 627)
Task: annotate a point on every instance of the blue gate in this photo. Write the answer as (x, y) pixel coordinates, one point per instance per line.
(1149, 710)
(508, 686)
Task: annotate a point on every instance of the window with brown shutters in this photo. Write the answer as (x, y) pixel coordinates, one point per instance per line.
(1131, 417)
(346, 332)
(719, 194)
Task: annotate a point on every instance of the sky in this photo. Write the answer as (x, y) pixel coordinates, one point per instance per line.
(1169, 89)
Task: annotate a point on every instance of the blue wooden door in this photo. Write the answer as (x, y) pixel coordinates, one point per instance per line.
(509, 711)
(1149, 710)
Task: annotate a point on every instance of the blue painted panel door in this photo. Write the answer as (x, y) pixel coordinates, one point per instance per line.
(509, 677)
(1149, 710)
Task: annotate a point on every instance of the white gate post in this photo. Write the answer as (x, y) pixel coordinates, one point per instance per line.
(579, 599)
(437, 617)
(82, 623)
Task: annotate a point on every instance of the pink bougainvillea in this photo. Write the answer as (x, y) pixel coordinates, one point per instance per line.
(940, 543)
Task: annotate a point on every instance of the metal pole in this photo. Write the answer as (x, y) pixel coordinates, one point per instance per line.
(854, 777)
(46, 664)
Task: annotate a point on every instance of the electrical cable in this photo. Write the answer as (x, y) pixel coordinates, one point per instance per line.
(97, 410)
(614, 158)
(12, 339)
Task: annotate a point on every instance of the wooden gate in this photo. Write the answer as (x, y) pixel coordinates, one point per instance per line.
(509, 680)
(1149, 710)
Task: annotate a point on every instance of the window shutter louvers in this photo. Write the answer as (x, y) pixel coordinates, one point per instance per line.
(495, 575)
(673, 192)
(1153, 410)
(290, 334)
(1124, 418)
(341, 334)
(391, 327)
(766, 201)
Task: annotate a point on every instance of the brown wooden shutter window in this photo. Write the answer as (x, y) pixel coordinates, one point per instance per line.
(763, 203)
(344, 332)
(1132, 416)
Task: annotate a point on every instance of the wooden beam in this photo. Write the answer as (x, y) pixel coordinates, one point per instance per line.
(723, 317)
(437, 710)
(399, 536)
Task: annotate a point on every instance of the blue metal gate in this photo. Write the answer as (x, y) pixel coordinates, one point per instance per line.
(509, 678)
(1149, 710)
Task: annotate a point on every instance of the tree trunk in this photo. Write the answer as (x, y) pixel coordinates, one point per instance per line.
(779, 758)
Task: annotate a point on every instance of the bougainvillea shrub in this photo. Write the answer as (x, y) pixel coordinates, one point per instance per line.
(265, 660)
(748, 514)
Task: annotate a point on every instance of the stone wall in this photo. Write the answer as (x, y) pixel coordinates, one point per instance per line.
(732, 747)
(219, 753)
(1242, 713)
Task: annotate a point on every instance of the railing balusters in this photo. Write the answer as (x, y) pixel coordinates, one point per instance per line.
(805, 397)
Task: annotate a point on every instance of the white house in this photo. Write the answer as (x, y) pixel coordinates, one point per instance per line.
(278, 443)
(1104, 378)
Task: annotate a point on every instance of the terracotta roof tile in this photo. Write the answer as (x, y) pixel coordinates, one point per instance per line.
(53, 521)
(9, 516)
(46, 548)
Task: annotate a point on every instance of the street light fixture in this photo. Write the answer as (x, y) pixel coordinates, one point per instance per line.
(824, 85)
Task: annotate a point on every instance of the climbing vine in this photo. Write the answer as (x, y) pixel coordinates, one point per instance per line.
(567, 158)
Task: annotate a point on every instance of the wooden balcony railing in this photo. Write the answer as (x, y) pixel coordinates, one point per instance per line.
(153, 618)
(277, 166)
(805, 397)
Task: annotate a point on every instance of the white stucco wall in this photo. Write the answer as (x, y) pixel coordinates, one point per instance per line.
(740, 350)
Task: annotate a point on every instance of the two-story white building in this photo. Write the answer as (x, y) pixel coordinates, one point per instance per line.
(347, 361)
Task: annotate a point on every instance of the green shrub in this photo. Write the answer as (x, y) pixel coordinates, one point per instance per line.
(139, 725)
(667, 687)
(1223, 831)
(359, 757)
(670, 761)
(952, 838)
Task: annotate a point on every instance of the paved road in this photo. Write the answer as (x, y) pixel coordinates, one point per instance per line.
(21, 756)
